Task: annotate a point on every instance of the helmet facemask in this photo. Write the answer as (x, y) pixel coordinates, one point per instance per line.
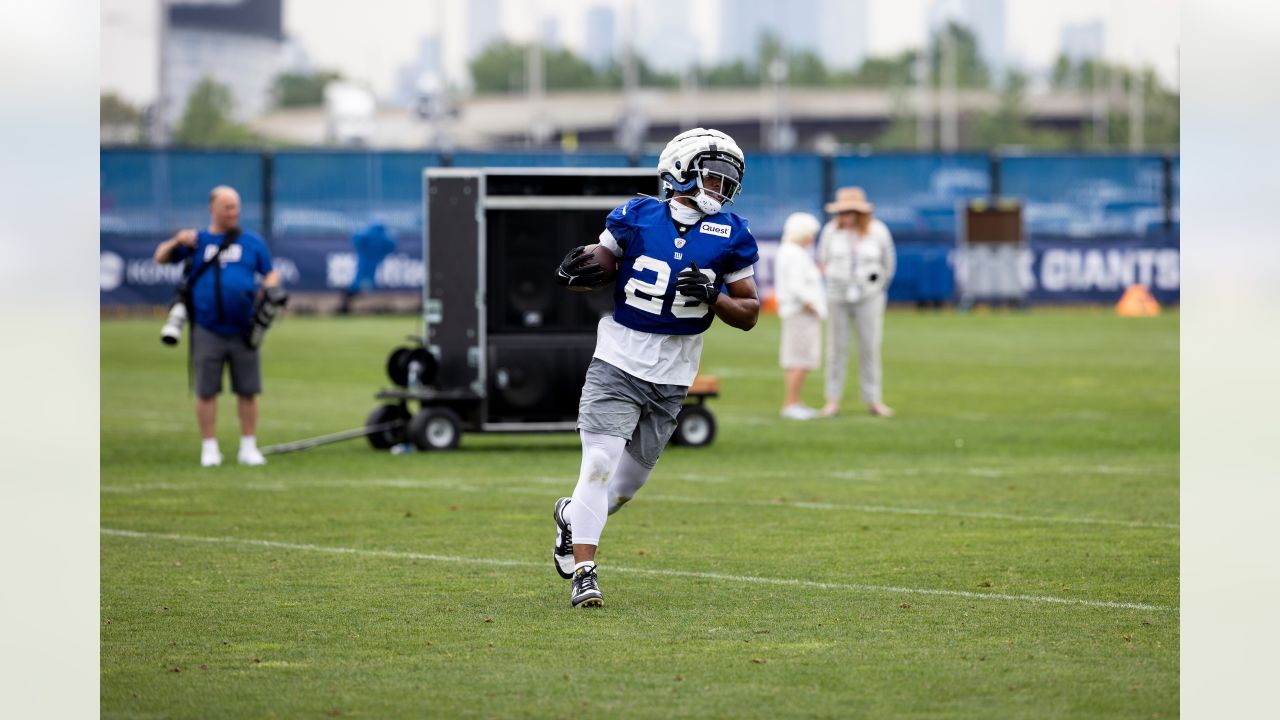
(719, 180)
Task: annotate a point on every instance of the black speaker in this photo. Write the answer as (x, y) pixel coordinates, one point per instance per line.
(451, 310)
(537, 378)
(524, 248)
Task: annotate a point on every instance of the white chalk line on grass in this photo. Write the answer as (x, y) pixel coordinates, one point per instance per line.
(918, 511)
(879, 509)
(458, 485)
(750, 579)
(282, 485)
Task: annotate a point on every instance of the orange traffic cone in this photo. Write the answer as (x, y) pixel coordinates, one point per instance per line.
(769, 304)
(1137, 302)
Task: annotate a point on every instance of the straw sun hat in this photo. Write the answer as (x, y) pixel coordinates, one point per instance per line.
(850, 198)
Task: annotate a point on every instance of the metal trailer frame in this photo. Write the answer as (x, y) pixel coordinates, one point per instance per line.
(436, 425)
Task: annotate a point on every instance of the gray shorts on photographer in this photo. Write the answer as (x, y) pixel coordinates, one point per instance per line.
(615, 402)
(210, 351)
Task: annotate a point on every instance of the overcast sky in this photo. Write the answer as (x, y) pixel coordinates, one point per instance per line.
(368, 40)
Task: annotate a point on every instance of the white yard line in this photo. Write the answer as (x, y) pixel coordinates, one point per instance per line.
(917, 511)
(281, 485)
(751, 579)
(879, 509)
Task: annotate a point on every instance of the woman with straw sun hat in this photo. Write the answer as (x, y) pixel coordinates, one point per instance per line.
(857, 256)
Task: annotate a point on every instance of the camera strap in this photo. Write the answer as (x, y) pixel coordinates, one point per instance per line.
(231, 236)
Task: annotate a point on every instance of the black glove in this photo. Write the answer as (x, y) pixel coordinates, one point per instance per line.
(693, 283)
(579, 270)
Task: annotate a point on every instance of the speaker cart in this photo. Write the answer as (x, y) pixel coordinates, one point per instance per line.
(505, 349)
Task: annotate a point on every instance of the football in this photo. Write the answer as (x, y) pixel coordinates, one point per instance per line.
(607, 261)
(605, 258)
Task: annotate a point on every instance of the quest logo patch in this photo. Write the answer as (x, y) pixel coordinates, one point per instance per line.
(714, 229)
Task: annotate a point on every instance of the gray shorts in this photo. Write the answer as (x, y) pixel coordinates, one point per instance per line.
(210, 351)
(618, 403)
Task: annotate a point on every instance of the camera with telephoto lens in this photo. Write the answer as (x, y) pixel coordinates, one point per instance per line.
(273, 299)
(171, 333)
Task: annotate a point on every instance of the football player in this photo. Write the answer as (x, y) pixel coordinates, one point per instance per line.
(682, 261)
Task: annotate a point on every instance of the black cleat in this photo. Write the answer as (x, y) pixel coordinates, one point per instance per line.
(562, 553)
(586, 588)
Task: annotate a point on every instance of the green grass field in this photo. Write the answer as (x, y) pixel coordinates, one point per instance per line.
(1007, 546)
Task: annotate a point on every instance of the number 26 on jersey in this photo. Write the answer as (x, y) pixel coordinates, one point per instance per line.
(648, 296)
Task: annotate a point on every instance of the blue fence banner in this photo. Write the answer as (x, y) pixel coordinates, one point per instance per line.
(1053, 269)
(1097, 270)
(341, 192)
(144, 191)
(311, 263)
(328, 263)
(128, 275)
(917, 193)
(1095, 222)
(776, 186)
(1087, 195)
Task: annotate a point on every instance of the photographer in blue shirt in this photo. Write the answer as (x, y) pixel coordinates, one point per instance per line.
(226, 263)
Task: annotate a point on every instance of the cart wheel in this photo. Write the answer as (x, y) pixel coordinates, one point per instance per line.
(435, 428)
(695, 426)
(385, 439)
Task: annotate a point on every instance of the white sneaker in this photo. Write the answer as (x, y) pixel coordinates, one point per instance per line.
(251, 456)
(799, 412)
(210, 457)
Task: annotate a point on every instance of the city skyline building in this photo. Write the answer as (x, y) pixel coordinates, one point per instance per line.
(601, 33)
(484, 25)
(984, 18)
(843, 33)
(238, 45)
(424, 73)
(665, 39)
(740, 28)
(1084, 40)
(987, 21)
(550, 34)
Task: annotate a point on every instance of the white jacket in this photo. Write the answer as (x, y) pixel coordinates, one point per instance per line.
(851, 261)
(797, 281)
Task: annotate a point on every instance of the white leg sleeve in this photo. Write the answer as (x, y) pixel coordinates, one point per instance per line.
(590, 506)
(627, 479)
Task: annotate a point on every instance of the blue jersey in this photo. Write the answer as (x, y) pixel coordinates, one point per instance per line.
(234, 281)
(654, 252)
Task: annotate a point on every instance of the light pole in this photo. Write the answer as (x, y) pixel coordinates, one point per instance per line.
(948, 119)
(781, 135)
(160, 122)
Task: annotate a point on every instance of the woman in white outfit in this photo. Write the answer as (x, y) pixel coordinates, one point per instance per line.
(857, 256)
(802, 304)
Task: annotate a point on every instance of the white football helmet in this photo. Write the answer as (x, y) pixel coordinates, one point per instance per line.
(708, 160)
